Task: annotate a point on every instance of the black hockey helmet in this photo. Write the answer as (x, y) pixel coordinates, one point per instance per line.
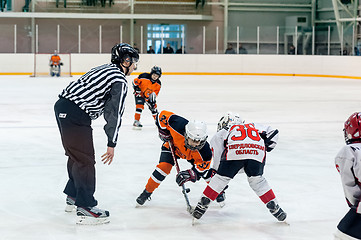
(157, 70)
(123, 52)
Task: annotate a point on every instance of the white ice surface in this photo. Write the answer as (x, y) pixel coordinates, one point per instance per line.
(309, 112)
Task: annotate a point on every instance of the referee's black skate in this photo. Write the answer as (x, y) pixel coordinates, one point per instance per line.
(92, 216)
(276, 211)
(144, 196)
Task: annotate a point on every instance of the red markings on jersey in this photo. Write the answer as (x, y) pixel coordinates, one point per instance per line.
(256, 146)
(246, 130)
(247, 151)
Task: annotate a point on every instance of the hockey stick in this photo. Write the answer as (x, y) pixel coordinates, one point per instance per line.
(185, 190)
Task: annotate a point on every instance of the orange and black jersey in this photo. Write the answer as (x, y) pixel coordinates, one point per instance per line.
(144, 82)
(201, 159)
(55, 59)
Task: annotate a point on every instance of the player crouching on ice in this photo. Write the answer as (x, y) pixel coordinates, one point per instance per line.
(348, 164)
(240, 147)
(55, 64)
(146, 89)
(189, 141)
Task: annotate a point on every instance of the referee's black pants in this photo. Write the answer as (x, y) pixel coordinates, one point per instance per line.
(77, 138)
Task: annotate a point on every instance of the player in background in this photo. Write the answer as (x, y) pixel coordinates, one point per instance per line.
(348, 164)
(100, 91)
(146, 89)
(241, 147)
(189, 140)
(55, 64)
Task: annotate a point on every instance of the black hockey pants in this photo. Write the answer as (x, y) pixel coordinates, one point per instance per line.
(76, 135)
(351, 224)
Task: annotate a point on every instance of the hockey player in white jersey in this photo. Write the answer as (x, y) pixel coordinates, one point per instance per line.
(240, 147)
(348, 164)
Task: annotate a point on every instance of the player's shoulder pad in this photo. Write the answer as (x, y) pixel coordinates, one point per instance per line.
(178, 123)
(163, 118)
(206, 152)
(144, 75)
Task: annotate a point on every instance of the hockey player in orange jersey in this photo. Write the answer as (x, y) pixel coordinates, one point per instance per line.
(146, 89)
(55, 63)
(189, 141)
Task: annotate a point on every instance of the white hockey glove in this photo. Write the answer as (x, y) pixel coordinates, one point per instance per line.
(270, 139)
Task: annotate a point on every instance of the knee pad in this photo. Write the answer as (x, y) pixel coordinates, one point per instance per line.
(218, 183)
(259, 184)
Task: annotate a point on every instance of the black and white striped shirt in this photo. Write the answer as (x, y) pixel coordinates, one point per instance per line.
(101, 90)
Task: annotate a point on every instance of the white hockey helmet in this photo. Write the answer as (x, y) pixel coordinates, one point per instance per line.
(229, 119)
(195, 136)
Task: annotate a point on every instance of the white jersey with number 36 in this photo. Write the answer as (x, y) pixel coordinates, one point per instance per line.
(240, 142)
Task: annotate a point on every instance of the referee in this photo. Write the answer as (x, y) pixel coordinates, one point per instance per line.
(101, 90)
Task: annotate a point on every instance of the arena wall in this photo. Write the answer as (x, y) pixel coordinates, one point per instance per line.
(278, 65)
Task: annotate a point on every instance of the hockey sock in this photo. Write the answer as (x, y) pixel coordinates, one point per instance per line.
(261, 187)
(159, 174)
(216, 186)
(154, 111)
(268, 196)
(138, 111)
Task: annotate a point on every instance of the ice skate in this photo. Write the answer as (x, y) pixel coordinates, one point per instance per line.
(70, 204)
(137, 125)
(201, 207)
(92, 216)
(342, 236)
(145, 195)
(276, 211)
(220, 199)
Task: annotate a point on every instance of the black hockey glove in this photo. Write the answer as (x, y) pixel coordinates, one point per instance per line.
(164, 135)
(270, 145)
(185, 176)
(137, 92)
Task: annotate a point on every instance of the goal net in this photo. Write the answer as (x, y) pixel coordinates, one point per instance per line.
(42, 66)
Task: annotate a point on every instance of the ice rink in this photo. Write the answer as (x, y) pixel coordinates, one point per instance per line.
(309, 113)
